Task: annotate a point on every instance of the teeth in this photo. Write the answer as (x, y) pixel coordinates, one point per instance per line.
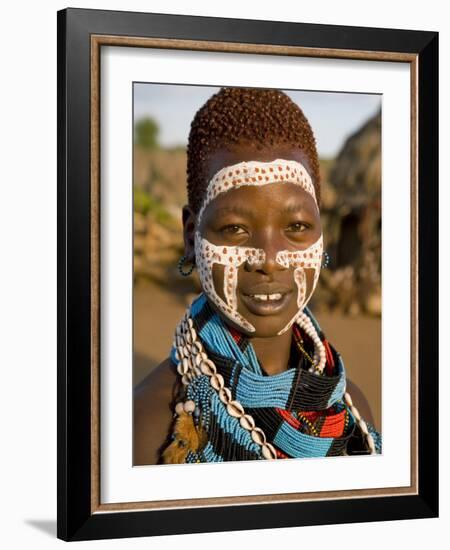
(265, 297)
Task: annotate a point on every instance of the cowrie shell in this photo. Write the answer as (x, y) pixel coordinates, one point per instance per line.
(179, 407)
(371, 444)
(208, 367)
(197, 371)
(189, 406)
(258, 436)
(197, 348)
(247, 422)
(185, 363)
(217, 381)
(363, 427)
(356, 413)
(235, 409)
(225, 395)
(181, 368)
(269, 452)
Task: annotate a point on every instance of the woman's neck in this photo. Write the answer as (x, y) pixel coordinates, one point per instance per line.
(273, 353)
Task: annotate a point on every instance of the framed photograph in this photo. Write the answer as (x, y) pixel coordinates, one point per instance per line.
(247, 274)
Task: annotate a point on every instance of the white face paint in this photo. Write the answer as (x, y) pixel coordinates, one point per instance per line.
(232, 257)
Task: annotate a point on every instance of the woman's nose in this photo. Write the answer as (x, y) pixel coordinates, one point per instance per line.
(271, 246)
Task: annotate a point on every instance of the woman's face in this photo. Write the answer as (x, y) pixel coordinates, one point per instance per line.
(275, 217)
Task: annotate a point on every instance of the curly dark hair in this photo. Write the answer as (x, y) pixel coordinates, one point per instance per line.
(257, 115)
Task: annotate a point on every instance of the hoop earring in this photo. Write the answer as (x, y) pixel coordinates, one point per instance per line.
(326, 262)
(180, 267)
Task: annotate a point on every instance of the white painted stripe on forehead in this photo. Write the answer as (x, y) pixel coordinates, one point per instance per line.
(255, 172)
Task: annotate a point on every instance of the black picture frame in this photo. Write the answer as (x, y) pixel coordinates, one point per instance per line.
(79, 517)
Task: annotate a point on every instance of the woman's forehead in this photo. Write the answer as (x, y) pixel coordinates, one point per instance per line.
(264, 183)
(278, 197)
(239, 152)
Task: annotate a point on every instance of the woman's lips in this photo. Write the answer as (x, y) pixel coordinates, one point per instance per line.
(259, 306)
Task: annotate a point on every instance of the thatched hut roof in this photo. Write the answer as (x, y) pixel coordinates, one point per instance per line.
(356, 173)
(352, 225)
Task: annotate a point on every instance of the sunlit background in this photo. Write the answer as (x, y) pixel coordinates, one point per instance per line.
(347, 301)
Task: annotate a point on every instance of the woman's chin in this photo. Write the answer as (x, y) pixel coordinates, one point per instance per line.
(266, 325)
(265, 328)
(268, 319)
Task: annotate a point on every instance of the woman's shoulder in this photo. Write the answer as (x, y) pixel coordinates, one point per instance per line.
(153, 401)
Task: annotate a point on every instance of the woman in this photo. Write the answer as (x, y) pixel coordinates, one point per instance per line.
(250, 375)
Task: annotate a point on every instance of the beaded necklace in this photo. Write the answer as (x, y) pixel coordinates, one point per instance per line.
(232, 410)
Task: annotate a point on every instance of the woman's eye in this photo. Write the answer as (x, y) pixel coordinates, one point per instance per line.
(298, 227)
(233, 230)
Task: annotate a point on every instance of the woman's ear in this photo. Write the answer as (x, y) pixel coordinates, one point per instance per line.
(189, 219)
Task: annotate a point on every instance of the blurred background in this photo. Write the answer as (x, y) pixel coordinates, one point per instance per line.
(347, 300)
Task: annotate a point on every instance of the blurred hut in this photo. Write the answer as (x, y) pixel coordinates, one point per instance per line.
(352, 226)
(159, 195)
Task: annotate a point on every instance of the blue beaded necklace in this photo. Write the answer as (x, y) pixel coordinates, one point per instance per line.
(277, 403)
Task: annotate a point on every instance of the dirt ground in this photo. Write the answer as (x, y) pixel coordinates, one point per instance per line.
(156, 313)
